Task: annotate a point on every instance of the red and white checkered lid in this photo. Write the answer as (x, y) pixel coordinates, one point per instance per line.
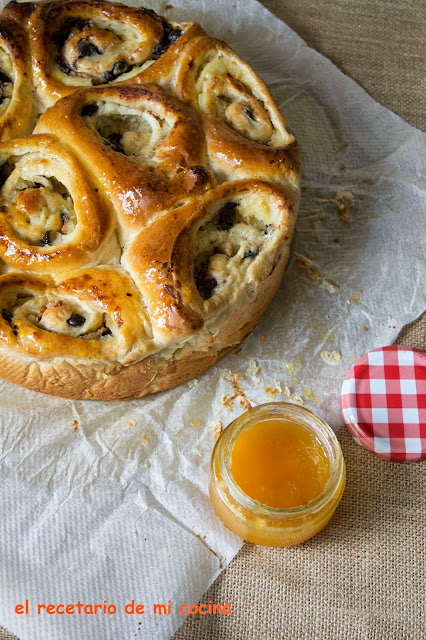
(383, 403)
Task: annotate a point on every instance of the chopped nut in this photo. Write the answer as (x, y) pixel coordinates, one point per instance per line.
(195, 422)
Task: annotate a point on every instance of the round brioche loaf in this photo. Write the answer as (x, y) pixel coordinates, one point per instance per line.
(146, 222)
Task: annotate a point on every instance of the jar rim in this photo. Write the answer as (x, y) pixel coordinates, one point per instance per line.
(222, 453)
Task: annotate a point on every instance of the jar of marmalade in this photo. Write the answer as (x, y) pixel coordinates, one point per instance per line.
(277, 475)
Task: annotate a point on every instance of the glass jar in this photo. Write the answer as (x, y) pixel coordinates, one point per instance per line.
(262, 524)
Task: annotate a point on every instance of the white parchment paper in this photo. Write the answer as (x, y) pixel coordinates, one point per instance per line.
(109, 501)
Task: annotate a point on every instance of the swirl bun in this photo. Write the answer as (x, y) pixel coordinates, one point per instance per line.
(146, 223)
(15, 79)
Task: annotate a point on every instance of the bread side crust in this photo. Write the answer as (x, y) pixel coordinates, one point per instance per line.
(77, 379)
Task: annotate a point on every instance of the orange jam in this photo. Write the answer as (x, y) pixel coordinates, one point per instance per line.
(277, 475)
(279, 463)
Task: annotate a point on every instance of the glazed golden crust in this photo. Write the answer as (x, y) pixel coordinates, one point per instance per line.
(146, 224)
(85, 43)
(163, 141)
(17, 99)
(43, 230)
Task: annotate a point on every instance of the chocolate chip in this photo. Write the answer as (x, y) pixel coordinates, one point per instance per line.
(114, 141)
(15, 331)
(170, 35)
(66, 29)
(171, 291)
(249, 113)
(250, 253)
(37, 185)
(149, 12)
(47, 238)
(76, 320)
(89, 110)
(200, 173)
(7, 315)
(129, 295)
(227, 216)
(64, 217)
(3, 78)
(87, 49)
(118, 69)
(205, 288)
(106, 331)
(63, 66)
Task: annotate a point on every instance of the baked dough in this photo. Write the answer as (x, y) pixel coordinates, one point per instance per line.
(146, 223)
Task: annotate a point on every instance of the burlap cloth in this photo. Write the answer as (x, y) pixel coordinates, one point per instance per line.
(362, 578)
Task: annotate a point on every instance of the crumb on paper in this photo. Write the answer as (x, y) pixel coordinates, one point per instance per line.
(238, 351)
(178, 431)
(351, 359)
(252, 371)
(330, 285)
(198, 452)
(307, 392)
(305, 186)
(290, 366)
(217, 428)
(277, 388)
(75, 425)
(298, 363)
(344, 202)
(365, 328)
(313, 325)
(228, 401)
(305, 263)
(192, 383)
(130, 423)
(295, 382)
(196, 422)
(144, 439)
(332, 357)
(262, 339)
(287, 393)
(356, 297)
(168, 7)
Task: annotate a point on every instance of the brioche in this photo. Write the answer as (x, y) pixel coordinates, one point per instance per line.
(148, 196)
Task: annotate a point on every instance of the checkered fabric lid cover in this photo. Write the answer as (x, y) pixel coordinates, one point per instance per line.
(383, 403)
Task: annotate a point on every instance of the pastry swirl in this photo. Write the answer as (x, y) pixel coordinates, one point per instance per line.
(51, 217)
(15, 80)
(146, 223)
(88, 43)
